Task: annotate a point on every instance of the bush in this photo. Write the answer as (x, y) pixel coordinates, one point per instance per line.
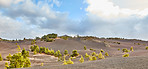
(74, 53)
(90, 58)
(18, 49)
(81, 59)
(42, 64)
(49, 40)
(94, 53)
(84, 47)
(1, 59)
(33, 42)
(94, 58)
(25, 53)
(51, 52)
(146, 47)
(100, 56)
(125, 55)
(57, 54)
(6, 65)
(106, 54)
(118, 49)
(19, 61)
(131, 49)
(69, 61)
(9, 57)
(101, 50)
(65, 52)
(86, 55)
(125, 50)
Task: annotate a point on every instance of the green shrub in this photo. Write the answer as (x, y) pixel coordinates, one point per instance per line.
(19, 61)
(94, 58)
(125, 50)
(49, 40)
(100, 56)
(84, 47)
(33, 42)
(51, 52)
(81, 59)
(6, 65)
(106, 54)
(1, 59)
(18, 49)
(41, 50)
(118, 49)
(86, 55)
(125, 55)
(146, 47)
(66, 52)
(57, 54)
(25, 53)
(69, 61)
(42, 64)
(91, 49)
(131, 49)
(94, 53)
(74, 53)
(9, 57)
(101, 50)
(90, 58)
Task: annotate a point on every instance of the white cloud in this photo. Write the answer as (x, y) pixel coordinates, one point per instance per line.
(8, 3)
(107, 9)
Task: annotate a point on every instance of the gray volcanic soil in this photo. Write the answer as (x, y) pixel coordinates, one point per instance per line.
(136, 60)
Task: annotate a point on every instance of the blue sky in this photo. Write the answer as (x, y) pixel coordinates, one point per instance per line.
(101, 18)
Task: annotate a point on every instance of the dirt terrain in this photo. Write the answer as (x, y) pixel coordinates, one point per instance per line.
(136, 60)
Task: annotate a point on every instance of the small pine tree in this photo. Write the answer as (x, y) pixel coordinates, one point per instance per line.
(65, 52)
(94, 53)
(131, 49)
(1, 59)
(42, 64)
(81, 59)
(9, 57)
(101, 50)
(6, 65)
(18, 49)
(146, 47)
(74, 53)
(100, 56)
(84, 47)
(106, 54)
(94, 58)
(86, 55)
(69, 61)
(125, 55)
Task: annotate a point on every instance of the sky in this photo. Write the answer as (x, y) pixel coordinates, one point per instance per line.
(101, 18)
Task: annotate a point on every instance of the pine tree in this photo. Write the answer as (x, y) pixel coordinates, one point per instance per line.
(81, 59)
(9, 57)
(1, 59)
(131, 49)
(18, 49)
(6, 65)
(100, 56)
(86, 55)
(84, 47)
(106, 54)
(65, 52)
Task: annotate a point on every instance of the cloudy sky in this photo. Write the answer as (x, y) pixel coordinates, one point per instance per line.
(101, 18)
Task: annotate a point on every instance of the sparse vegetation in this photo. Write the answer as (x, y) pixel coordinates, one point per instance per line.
(66, 52)
(125, 55)
(131, 49)
(74, 53)
(125, 50)
(9, 57)
(106, 54)
(100, 56)
(18, 48)
(86, 55)
(101, 50)
(1, 59)
(81, 59)
(84, 47)
(146, 47)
